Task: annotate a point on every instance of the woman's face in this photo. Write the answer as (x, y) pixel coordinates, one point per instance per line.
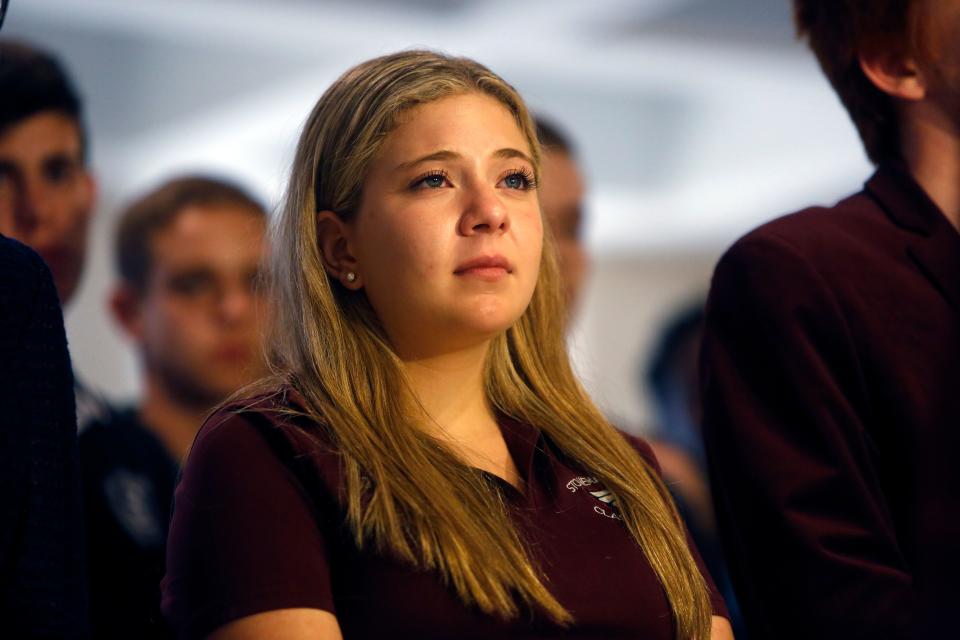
(448, 234)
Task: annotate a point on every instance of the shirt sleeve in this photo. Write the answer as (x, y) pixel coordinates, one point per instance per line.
(717, 602)
(806, 527)
(245, 536)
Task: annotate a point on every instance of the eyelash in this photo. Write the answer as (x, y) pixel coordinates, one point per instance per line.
(529, 182)
(436, 173)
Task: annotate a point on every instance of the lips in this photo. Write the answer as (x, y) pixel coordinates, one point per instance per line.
(485, 265)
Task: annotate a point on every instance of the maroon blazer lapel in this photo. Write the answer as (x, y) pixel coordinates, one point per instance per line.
(933, 244)
(938, 256)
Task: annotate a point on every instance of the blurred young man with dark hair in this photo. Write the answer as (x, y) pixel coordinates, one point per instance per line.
(47, 192)
(188, 257)
(831, 357)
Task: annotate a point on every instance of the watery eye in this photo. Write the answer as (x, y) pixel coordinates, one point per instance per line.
(515, 181)
(434, 181)
(430, 180)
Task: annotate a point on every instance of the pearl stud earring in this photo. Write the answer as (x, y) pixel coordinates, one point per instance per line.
(351, 276)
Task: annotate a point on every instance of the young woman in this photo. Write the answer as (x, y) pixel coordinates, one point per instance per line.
(424, 464)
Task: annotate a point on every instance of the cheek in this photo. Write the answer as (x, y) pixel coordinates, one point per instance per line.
(398, 253)
(81, 206)
(176, 326)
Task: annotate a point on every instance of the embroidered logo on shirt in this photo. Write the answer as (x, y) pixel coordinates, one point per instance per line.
(603, 495)
(607, 498)
(581, 481)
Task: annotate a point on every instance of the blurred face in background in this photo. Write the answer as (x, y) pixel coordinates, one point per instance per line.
(561, 199)
(199, 320)
(47, 194)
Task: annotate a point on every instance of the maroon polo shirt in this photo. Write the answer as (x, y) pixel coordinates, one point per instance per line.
(258, 525)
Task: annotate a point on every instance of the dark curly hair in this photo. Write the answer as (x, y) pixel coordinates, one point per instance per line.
(32, 81)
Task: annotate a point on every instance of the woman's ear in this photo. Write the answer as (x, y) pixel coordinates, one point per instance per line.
(893, 72)
(336, 250)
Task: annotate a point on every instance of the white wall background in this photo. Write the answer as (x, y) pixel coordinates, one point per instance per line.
(695, 120)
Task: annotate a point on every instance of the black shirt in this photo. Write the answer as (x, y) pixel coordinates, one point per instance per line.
(128, 478)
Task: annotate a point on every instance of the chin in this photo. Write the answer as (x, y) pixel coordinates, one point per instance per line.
(491, 321)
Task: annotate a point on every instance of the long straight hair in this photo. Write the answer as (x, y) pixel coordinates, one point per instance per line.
(406, 493)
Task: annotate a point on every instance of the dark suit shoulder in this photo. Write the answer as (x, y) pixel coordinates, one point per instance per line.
(16, 255)
(854, 229)
(21, 267)
(22, 272)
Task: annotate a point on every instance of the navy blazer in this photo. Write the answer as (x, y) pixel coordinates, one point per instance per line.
(42, 588)
(831, 389)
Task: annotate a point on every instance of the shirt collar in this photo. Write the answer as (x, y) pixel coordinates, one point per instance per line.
(936, 246)
(904, 200)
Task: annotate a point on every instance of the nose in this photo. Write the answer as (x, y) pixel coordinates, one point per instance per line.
(237, 305)
(484, 212)
(29, 205)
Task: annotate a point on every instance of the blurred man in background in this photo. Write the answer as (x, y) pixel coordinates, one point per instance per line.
(188, 257)
(832, 356)
(561, 193)
(47, 191)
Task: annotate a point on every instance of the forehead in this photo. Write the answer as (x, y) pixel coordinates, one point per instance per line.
(39, 136)
(473, 122)
(216, 235)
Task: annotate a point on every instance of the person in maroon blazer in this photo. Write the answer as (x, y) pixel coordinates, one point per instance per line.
(831, 355)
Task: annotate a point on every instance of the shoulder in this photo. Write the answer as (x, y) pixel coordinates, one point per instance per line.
(643, 448)
(250, 517)
(27, 293)
(241, 427)
(268, 433)
(118, 440)
(23, 273)
(16, 257)
(825, 238)
(116, 427)
(807, 257)
(277, 416)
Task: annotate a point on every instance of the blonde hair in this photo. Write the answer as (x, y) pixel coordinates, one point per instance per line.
(405, 492)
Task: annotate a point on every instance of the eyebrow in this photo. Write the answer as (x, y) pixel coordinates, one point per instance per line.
(446, 154)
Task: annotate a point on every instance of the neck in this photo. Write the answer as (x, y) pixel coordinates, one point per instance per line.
(931, 148)
(172, 421)
(450, 388)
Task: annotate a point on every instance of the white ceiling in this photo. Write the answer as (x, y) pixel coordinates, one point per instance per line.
(695, 119)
